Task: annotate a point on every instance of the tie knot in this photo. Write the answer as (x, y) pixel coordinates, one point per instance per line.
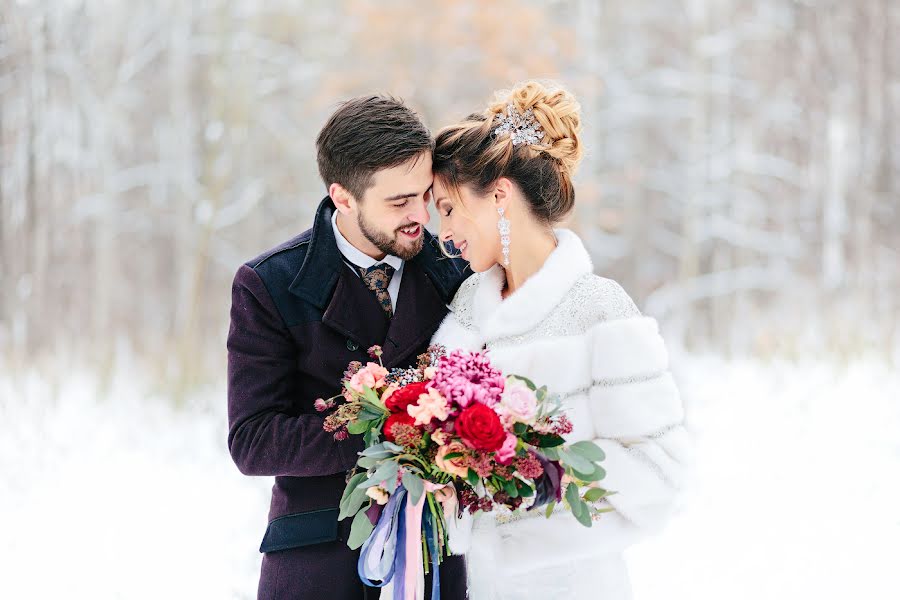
(377, 277)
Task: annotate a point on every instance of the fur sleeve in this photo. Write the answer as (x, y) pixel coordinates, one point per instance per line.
(637, 416)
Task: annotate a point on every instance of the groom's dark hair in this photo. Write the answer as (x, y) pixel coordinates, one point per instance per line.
(365, 135)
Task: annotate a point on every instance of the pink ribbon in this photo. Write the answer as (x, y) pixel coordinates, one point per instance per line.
(445, 494)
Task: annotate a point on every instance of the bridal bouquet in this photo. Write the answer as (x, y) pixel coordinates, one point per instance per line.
(452, 434)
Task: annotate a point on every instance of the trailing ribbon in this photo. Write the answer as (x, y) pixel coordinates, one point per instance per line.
(414, 577)
(378, 552)
(393, 551)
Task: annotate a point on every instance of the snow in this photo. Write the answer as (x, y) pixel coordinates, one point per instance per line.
(797, 484)
(107, 491)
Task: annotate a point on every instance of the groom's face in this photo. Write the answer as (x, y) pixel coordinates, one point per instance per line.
(394, 210)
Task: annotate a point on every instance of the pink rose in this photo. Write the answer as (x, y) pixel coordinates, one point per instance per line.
(518, 403)
(507, 451)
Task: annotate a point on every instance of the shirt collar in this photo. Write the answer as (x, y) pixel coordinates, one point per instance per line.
(355, 255)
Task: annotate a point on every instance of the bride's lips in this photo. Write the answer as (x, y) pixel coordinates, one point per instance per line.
(462, 247)
(412, 232)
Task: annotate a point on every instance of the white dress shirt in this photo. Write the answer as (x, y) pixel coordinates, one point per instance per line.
(355, 256)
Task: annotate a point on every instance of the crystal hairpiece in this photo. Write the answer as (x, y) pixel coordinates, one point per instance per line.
(523, 128)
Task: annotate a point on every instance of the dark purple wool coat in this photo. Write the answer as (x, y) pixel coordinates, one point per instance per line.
(299, 315)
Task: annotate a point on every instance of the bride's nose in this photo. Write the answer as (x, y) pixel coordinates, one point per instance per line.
(445, 235)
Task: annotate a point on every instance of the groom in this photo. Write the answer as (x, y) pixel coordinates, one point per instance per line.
(367, 273)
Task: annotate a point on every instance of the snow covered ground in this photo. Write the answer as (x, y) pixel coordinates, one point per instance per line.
(114, 494)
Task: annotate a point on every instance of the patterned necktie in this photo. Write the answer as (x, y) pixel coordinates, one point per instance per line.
(377, 278)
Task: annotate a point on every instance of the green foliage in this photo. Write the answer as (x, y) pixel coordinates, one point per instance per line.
(360, 529)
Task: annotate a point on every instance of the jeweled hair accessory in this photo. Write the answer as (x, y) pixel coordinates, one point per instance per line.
(522, 128)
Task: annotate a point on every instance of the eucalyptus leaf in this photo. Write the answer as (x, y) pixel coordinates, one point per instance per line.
(550, 453)
(367, 462)
(595, 474)
(354, 503)
(584, 516)
(576, 461)
(595, 494)
(385, 473)
(550, 508)
(414, 485)
(360, 529)
(572, 496)
(589, 450)
(383, 450)
(351, 486)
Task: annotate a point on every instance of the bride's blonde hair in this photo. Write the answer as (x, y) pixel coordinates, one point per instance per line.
(473, 153)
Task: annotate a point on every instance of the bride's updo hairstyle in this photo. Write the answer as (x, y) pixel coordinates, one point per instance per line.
(537, 146)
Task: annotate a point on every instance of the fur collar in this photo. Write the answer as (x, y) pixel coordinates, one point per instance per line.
(539, 295)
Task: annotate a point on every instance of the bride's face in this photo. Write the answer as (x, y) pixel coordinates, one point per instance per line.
(470, 222)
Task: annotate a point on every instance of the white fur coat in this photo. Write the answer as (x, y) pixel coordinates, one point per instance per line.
(583, 337)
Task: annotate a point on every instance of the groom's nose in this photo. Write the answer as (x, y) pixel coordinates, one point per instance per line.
(420, 215)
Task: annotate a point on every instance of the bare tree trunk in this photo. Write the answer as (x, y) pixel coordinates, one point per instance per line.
(689, 257)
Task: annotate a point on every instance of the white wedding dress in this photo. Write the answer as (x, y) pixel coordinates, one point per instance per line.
(583, 337)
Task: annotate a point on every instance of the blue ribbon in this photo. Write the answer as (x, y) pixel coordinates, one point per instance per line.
(383, 543)
(387, 544)
(400, 557)
(433, 550)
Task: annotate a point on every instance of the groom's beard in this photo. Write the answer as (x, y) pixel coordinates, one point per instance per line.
(387, 244)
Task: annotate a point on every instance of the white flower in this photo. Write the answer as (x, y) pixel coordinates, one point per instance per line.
(378, 494)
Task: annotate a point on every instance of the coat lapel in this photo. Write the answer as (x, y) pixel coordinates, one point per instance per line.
(429, 282)
(354, 311)
(420, 310)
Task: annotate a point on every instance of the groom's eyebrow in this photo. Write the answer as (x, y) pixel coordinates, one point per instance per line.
(404, 196)
(400, 197)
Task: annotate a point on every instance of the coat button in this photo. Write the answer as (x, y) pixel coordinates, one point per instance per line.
(352, 346)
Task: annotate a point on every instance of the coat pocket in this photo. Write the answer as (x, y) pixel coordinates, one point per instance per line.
(301, 529)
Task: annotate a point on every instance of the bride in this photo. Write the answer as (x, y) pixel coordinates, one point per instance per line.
(503, 179)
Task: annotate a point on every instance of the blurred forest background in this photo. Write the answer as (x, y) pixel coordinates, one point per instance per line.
(742, 182)
(741, 178)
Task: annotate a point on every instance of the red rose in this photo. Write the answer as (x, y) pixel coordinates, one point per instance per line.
(405, 396)
(480, 428)
(396, 419)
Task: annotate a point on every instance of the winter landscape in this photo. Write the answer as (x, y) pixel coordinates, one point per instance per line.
(740, 182)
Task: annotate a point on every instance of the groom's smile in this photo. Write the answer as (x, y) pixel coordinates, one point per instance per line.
(392, 216)
(413, 232)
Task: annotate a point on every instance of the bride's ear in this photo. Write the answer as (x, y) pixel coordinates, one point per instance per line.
(503, 189)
